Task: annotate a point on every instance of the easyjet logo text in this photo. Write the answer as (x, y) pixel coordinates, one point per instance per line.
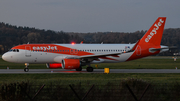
(154, 31)
(45, 48)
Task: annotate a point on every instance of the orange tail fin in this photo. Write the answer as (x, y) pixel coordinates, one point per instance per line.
(154, 34)
(149, 44)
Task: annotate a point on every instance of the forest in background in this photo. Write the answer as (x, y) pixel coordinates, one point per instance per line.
(12, 35)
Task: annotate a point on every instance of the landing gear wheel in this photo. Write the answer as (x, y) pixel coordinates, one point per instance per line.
(79, 69)
(26, 69)
(89, 69)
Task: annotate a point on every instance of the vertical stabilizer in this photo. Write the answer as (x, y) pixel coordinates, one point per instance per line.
(154, 34)
(150, 41)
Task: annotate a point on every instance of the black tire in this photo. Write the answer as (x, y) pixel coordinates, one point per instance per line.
(89, 69)
(26, 69)
(79, 69)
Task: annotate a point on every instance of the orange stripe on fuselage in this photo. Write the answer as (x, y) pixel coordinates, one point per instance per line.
(52, 48)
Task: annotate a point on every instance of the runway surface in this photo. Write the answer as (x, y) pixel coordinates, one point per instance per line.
(21, 71)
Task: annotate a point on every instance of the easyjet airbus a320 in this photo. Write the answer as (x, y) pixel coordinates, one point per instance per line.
(74, 56)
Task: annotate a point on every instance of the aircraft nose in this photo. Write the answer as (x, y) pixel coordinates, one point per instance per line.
(9, 57)
(4, 57)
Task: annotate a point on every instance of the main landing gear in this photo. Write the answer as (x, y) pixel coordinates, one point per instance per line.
(26, 69)
(88, 69)
(79, 69)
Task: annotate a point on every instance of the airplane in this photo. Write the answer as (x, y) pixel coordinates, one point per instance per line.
(74, 56)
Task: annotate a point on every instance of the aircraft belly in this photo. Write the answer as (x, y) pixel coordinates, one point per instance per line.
(43, 58)
(37, 58)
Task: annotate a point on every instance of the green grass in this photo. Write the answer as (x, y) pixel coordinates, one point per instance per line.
(145, 63)
(66, 79)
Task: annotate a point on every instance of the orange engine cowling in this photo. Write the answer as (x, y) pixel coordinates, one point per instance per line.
(70, 63)
(54, 65)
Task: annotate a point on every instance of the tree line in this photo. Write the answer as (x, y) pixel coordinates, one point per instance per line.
(12, 35)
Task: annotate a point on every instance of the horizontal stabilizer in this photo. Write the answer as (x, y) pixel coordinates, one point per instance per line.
(156, 49)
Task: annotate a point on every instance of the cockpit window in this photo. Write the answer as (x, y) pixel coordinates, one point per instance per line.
(14, 50)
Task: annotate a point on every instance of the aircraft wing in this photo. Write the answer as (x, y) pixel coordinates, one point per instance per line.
(100, 55)
(95, 56)
(110, 54)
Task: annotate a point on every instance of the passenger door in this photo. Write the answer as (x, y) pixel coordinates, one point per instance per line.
(138, 50)
(28, 51)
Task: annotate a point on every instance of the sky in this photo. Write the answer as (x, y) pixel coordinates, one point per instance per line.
(86, 16)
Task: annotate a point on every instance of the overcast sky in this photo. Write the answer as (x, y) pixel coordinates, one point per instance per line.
(90, 15)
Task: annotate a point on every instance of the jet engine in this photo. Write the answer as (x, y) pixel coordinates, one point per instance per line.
(54, 65)
(70, 63)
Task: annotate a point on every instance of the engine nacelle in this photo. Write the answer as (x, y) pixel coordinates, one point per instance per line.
(70, 63)
(54, 65)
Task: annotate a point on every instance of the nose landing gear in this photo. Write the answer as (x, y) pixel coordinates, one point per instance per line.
(26, 69)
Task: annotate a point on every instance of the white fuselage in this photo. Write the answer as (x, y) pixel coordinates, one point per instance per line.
(41, 56)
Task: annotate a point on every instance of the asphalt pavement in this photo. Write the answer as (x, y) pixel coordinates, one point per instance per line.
(21, 71)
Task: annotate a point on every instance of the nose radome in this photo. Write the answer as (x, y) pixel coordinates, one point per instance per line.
(5, 57)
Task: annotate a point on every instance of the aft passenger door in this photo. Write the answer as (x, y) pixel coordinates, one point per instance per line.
(138, 50)
(28, 51)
